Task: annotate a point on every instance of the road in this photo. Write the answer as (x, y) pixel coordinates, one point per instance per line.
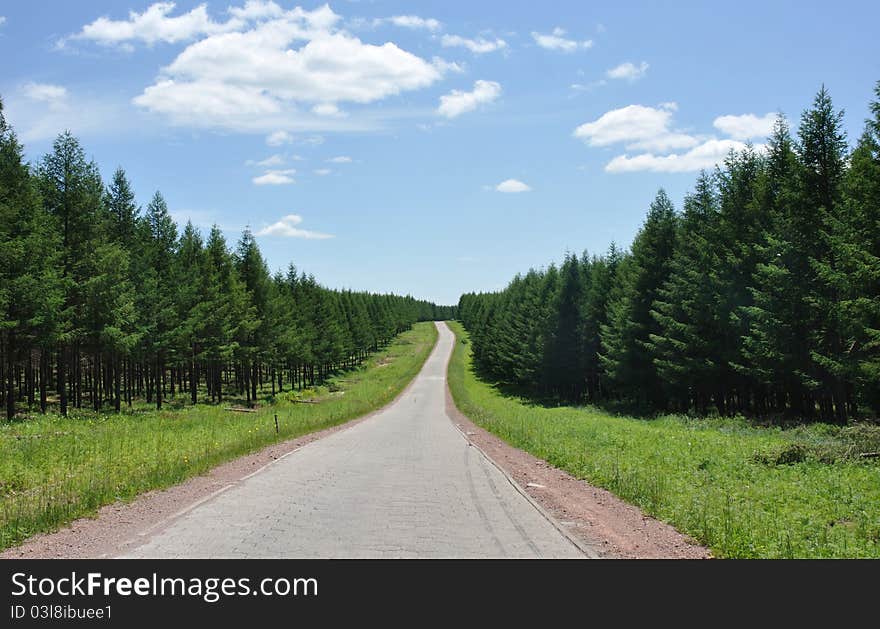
(404, 483)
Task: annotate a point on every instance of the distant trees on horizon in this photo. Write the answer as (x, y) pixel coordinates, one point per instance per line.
(761, 297)
(102, 302)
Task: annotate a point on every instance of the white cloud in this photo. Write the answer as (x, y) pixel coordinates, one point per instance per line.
(45, 92)
(458, 102)
(155, 25)
(328, 109)
(557, 41)
(342, 159)
(446, 67)
(512, 186)
(257, 10)
(414, 21)
(276, 178)
(287, 227)
(477, 46)
(279, 138)
(323, 172)
(649, 132)
(272, 160)
(640, 127)
(746, 126)
(703, 156)
(628, 71)
(2, 20)
(255, 72)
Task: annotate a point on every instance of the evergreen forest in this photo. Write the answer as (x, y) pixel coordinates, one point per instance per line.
(760, 297)
(103, 301)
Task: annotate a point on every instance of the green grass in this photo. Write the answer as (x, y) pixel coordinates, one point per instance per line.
(743, 490)
(54, 469)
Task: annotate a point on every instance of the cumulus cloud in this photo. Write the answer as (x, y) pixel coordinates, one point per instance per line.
(628, 71)
(458, 102)
(557, 41)
(746, 126)
(703, 156)
(512, 186)
(276, 178)
(288, 227)
(663, 148)
(477, 46)
(156, 25)
(323, 172)
(45, 92)
(2, 20)
(257, 10)
(342, 159)
(415, 22)
(639, 127)
(265, 68)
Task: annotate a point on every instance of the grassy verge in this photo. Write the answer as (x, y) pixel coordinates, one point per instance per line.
(55, 469)
(744, 491)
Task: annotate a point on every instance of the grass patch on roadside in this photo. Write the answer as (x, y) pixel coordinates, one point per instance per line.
(742, 490)
(55, 469)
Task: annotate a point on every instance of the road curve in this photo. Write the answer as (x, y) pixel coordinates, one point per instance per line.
(404, 483)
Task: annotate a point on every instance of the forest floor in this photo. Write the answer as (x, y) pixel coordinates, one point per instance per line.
(54, 470)
(740, 489)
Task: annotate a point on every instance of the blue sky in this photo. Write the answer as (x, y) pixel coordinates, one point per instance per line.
(429, 148)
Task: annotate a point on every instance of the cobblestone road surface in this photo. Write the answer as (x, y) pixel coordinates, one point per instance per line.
(403, 483)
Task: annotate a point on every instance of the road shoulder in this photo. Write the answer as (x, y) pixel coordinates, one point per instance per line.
(122, 526)
(613, 528)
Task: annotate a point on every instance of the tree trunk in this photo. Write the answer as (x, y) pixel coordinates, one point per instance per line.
(117, 383)
(96, 383)
(159, 384)
(247, 387)
(62, 380)
(193, 380)
(44, 374)
(10, 383)
(77, 369)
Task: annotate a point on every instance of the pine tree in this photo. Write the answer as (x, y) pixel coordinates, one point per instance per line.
(160, 291)
(685, 351)
(626, 338)
(123, 211)
(565, 344)
(823, 153)
(855, 243)
(196, 298)
(71, 190)
(255, 280)
(29, 283)
(603, 271)
(741, 224)
(774, 352)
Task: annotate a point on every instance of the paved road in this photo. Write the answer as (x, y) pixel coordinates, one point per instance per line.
(403, 483)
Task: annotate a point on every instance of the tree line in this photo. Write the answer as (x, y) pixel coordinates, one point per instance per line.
(102, 302)
(761, 297)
